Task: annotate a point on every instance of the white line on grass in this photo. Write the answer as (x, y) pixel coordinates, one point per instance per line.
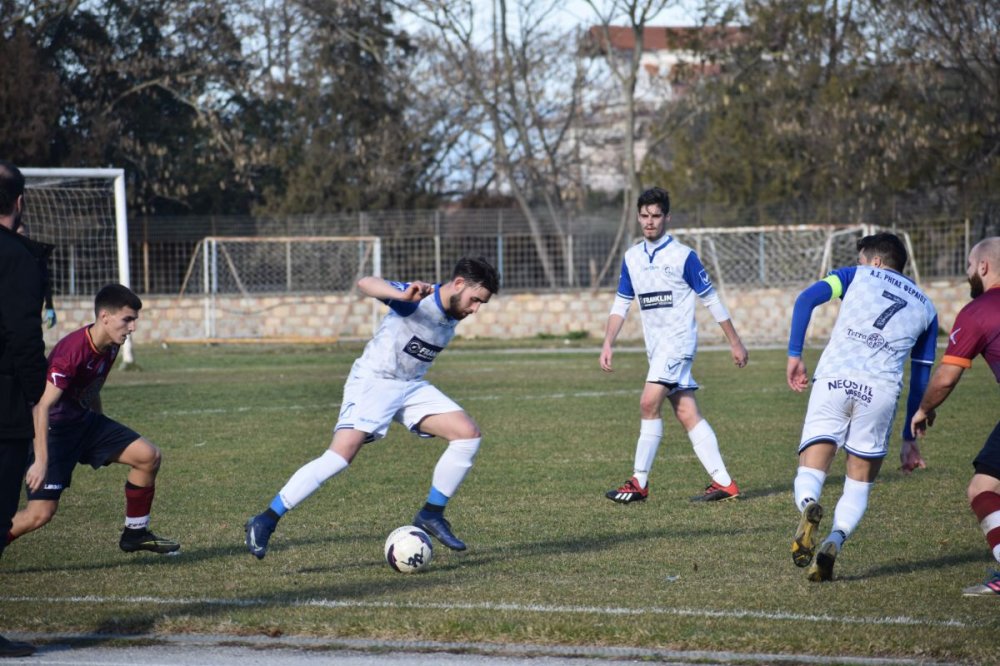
(901, 620)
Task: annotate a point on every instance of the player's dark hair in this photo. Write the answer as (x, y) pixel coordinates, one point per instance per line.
(478, 271)
(114, 297)
(11, 186)
(887, 246)
(655, 195)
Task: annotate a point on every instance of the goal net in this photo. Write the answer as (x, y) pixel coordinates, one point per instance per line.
(81, 212)
(778, 256)
(244, 280)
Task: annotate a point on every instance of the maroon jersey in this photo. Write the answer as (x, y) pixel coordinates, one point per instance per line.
(977, 331)
(79, 369)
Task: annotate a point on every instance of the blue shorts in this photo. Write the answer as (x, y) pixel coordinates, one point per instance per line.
(94, 440)
(988, 460)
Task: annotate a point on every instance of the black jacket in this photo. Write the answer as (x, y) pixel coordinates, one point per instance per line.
(22, 350)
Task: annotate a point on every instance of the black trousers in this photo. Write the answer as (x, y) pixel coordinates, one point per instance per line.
(13, 458)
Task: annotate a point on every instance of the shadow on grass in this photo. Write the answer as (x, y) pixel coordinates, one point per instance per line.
(899, 568)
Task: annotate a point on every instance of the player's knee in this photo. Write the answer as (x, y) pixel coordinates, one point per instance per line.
(649, 408)
(981, 483)
(468, 431)
(150, 461)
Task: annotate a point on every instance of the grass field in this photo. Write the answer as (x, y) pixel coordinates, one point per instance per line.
(550, 560)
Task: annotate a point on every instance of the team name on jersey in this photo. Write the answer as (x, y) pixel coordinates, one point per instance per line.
(422, 351)
(656, 299)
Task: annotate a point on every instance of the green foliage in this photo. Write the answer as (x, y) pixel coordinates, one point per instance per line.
(550, 561)
(851, 105)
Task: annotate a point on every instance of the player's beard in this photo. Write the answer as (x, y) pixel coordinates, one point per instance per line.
(453, 307)
(976, 286)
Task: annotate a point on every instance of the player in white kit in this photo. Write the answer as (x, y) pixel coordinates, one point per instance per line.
(883, 319)
(386, 384)
(667, 277)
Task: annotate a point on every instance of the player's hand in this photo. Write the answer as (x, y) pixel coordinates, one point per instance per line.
(910, 458)
(35, 475)
(921, 421)
(606, 354)
(795, 373)
(740, 354)
(416, 291)
(49, 317)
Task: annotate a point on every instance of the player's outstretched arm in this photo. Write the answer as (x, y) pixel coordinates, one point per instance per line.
(376, 287)
(611, 331)
(40, 414)
(739, 351)
(942, 383)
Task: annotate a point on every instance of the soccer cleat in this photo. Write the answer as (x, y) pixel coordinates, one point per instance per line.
(142, 539)
(716, 493)
(807, 535)
(630, 491)
(988, 588)
(822, 568)
(258, 532)
(438, 527)
(10, 648)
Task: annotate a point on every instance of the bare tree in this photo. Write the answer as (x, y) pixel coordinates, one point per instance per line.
(624, 66)
(518, 89)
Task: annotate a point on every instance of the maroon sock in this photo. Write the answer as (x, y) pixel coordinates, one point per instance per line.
(138, 502)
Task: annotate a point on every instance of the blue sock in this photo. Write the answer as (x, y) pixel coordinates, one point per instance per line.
(278, 506)
(437, 498)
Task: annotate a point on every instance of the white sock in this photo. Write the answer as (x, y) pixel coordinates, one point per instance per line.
(310, 477)
(808, 486)
(852, 506)
(454, 464)
(650, 433)
(837, 539)
(706, 447)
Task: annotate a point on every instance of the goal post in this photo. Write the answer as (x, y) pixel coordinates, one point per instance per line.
(243, 278)
(82, 212)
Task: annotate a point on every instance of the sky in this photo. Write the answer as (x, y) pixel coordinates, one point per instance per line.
(680, 13)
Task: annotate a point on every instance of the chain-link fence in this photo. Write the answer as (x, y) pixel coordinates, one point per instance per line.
(571, 255)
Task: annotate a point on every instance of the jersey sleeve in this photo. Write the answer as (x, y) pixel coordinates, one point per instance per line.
(966, 340)
(62, 367)
(926, 345)
(625, 289)
(815, 294)
(402, 308)
(696, 276)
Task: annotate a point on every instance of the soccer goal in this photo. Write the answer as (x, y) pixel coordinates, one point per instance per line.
(245, 280)
(83, 213)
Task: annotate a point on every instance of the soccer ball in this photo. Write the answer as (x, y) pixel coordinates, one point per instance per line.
(408, 549)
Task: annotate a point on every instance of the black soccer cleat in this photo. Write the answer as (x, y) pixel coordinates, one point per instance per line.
(258, 532)
(629, 492)
(438, 527)
(715, 493)
(822, 569)
(134, 540)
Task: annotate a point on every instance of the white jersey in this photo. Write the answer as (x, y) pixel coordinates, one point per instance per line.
(881, 318)
(408, 340)
(667, 279)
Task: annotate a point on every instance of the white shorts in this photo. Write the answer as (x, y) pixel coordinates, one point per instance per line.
(673, 372)
(856, 416)
(372, 404)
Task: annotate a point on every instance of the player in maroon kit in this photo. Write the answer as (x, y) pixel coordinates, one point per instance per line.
(976, 331)
(70, 415)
